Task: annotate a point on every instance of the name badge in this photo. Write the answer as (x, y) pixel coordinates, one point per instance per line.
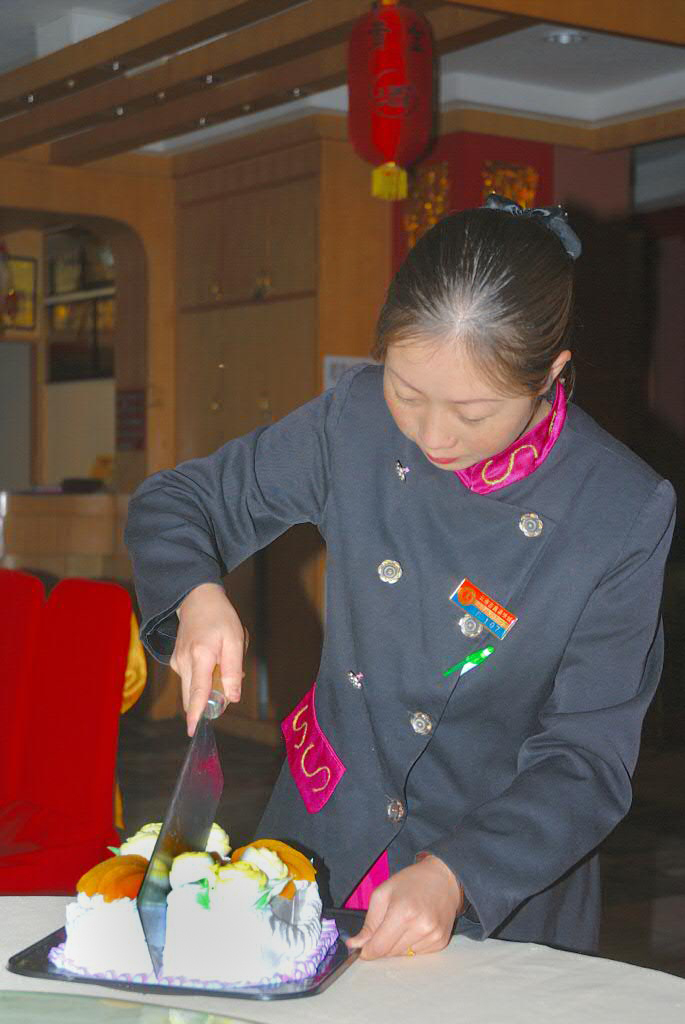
(493, 615)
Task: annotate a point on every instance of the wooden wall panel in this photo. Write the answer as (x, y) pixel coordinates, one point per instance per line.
(354, 254)
(198, 427)
(245, 172)
(139, 195)
(295, 203)
(241, 367)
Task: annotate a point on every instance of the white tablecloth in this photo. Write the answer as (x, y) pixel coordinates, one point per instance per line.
(490, 982)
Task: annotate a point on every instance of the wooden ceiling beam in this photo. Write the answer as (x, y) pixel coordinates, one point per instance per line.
(275, 85)
(293, 33)
(660, 21)
(272, 87)
(162, 30)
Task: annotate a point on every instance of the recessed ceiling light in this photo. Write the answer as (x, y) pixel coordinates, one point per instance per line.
(565, 36)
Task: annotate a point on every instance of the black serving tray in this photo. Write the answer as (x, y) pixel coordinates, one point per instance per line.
(34, 963)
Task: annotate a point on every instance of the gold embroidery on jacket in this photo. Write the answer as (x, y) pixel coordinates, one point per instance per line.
(304, 729)
(512, 459)
(300, 728)
(551, 423)
(310, 775)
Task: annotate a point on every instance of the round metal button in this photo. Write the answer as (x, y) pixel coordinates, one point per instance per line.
(421, 723)
(530, 524)
(396, 810)
(356, 679)
(469, 626)
(389, 571)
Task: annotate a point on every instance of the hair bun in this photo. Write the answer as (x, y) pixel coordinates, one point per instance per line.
(552, 217)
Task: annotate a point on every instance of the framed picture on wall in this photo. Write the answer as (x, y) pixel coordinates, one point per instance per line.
(23, 277)
(80, 337)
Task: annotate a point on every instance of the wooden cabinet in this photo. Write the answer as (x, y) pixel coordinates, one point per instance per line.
(199, 253)
(243, 246)
(240, 368)
(284, 257)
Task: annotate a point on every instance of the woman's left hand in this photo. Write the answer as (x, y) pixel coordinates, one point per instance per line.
(413, 912)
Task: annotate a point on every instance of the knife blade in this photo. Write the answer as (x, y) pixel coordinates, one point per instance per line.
(186, 826)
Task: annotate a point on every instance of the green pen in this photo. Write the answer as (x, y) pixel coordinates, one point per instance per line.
(470, 661)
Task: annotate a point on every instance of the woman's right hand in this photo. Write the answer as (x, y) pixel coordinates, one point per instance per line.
(210, 634)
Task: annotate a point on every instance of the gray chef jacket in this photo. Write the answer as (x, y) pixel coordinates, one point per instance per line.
(513, 773)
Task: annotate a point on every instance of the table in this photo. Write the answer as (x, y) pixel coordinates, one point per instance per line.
(487, 982)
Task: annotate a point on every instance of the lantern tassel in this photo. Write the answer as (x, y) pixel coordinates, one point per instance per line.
(389, 182)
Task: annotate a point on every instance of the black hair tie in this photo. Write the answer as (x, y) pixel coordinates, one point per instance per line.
(551, 217)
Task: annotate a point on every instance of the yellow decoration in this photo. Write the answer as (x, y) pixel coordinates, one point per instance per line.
(102, 468)
(135, 678)
(136, 669)
(513, 181)
(427, 202)
(389, 181)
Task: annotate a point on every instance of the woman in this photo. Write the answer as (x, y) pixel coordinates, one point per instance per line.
(468, 512)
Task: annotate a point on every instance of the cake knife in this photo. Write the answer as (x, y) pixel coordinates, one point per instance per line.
(186, 826)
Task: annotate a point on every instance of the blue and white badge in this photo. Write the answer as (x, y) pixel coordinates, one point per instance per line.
(477, 604)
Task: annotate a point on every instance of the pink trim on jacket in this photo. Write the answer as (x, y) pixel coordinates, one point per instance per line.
(377, 873)
(314, 765)
(522, 457)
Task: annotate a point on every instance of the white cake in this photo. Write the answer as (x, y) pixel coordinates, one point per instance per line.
(228, 923)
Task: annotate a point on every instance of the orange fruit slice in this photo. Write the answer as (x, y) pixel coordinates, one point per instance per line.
(114, 878)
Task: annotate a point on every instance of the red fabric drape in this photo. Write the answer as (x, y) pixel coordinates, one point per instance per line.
(56, 818)
(22, 597)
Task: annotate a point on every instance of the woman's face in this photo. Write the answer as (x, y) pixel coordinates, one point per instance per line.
(442, 402)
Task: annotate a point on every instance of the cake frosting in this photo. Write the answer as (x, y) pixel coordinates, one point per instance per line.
(253, 919)
(143, 841)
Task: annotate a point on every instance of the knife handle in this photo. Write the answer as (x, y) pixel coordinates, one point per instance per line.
(216, 704)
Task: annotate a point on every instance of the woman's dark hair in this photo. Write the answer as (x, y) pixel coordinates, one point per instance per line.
(501, 285)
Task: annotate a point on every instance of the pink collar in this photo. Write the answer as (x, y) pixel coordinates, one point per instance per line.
(522, 457)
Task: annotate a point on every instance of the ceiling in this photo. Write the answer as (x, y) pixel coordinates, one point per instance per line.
(489, 60)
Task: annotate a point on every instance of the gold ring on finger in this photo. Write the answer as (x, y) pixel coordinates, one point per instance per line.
(410, 952)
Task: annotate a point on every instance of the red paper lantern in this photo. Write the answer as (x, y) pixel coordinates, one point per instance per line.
(390, 80)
